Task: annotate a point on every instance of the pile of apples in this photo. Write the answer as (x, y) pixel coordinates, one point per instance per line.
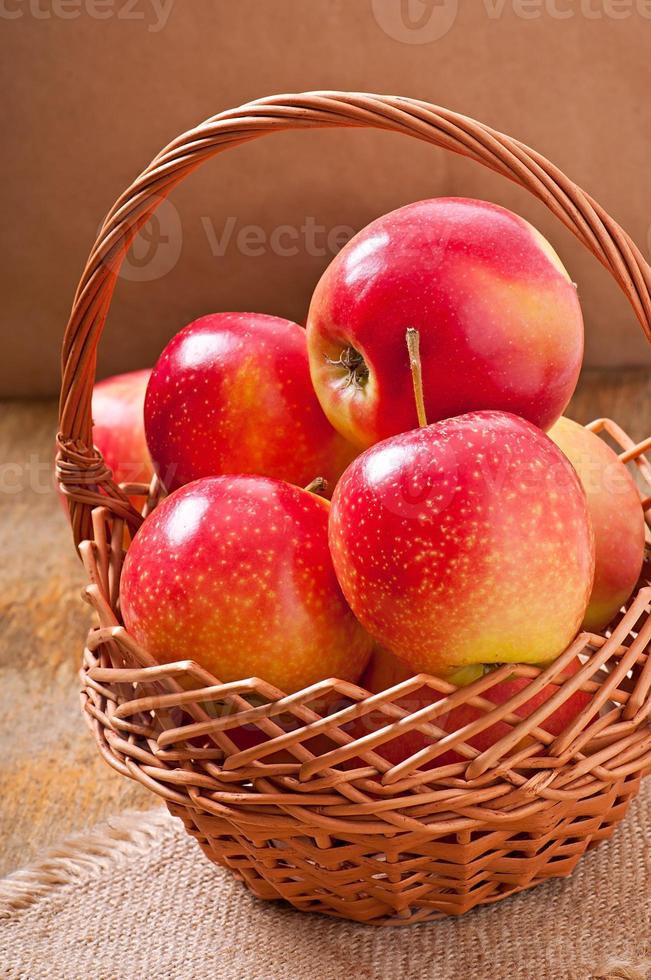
(470, 523)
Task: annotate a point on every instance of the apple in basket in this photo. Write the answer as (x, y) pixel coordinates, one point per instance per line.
(465, 542)
(499, 320)
(384, 671)
(231, 393)
(234, 572)
(118, 426)
(617, 519)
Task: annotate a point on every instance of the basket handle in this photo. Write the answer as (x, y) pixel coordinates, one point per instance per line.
(81, 472)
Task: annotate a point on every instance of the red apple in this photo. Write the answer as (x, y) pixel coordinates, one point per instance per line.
(499, 320)
(617, 519)
(119, 431)
(384, 671)
(119, 426)
(231, 393)
(465, 542)
(234, 572)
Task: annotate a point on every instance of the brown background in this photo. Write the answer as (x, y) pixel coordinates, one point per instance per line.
(88, 101)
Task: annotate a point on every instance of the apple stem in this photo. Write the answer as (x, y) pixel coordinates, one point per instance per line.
(318, 485)
(413, 346)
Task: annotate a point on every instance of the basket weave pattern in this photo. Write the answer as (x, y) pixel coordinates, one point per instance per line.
(300, 808)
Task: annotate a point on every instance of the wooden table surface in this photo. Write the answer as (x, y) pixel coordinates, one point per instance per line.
(53, 781)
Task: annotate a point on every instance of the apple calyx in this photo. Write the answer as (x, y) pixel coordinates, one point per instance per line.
(413, 347)
(355, 367)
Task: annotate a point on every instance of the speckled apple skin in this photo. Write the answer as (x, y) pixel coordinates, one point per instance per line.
(499, 319)
(231, 393)
(384, 671)
(617, 518)
(234, 572)
(464, 542)
(119, 426)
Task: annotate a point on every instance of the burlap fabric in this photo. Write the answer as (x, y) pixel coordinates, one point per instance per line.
(135, 898)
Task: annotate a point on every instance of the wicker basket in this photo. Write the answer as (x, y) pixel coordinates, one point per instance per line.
(304, 811)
